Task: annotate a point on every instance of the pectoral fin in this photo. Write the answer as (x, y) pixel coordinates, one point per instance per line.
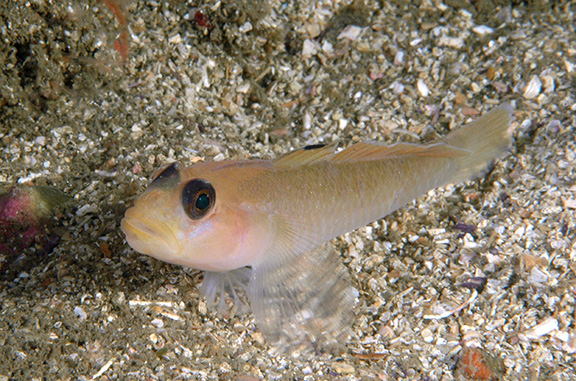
(303, 302)
(224, 291)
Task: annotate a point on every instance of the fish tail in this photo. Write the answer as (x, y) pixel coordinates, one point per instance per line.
(487, 138)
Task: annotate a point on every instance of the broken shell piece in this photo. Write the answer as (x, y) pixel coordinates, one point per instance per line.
(569, 203)
(397, 88)
(471, 339)
(482, 30)
(309, 48)
(246, 27)
(569, 66)
(399, 58)
(546, 327)
(533, 88)
(549, 85)
(351, 32)
(422, 88)
(570, 345)
(538, 276)
(313, 29)
(554, 126)
(80, 313)
(451, 42)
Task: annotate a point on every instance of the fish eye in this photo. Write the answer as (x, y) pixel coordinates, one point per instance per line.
(198, 197)
(171, 171)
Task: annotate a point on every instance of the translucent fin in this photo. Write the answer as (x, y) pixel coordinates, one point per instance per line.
(488, 138)
(373, 151)
(305, 155)
(303, 303)
(225, 291)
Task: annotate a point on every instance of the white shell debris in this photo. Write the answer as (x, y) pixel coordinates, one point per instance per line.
(399, 58)
(343, 368)
(441, 313)
(103, 369)
(309, 48)
(548, 83)
(451, 42)
(422, 88)
(533, 88)
(537, 276)
(397, 88)
(85, 209)
(351, 32)
(482, 30)
(569, 203)
(570, 67)
(570, 345)
(158, 323)
(544, 328)
(415, 41)
(247, 27)
(244, 88)
(80, 313)
(176, 39)
(327, 47)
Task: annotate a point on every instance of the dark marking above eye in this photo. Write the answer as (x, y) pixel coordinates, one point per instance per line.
(169, 175)
(313, 146)
(198, 198)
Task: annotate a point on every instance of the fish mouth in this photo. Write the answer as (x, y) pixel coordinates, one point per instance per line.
(152, 237)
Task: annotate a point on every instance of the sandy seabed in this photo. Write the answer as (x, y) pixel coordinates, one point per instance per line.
(95, 95)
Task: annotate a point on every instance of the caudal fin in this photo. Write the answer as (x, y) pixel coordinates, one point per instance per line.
(488, 138)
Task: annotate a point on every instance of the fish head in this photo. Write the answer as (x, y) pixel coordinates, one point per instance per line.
(192, 217)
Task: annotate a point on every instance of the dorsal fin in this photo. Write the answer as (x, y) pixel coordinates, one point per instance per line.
(306, 155)
(374, 151)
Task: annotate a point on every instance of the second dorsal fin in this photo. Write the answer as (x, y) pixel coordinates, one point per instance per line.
(375, 151)
(366, 151)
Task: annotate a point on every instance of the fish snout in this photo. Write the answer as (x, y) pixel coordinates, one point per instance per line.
(150, 235)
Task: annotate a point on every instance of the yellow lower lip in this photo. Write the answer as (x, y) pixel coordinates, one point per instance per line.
(136, 228)
(143, 236)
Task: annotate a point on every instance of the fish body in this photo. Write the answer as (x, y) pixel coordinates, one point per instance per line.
(261, 226)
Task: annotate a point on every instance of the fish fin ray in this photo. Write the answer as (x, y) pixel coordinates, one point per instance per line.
(488, 138)
(305, 155)
(303, 302)
(367, 151)
(220, 287)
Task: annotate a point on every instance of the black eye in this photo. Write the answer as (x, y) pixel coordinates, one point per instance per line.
(170, 172)
(198, 197)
